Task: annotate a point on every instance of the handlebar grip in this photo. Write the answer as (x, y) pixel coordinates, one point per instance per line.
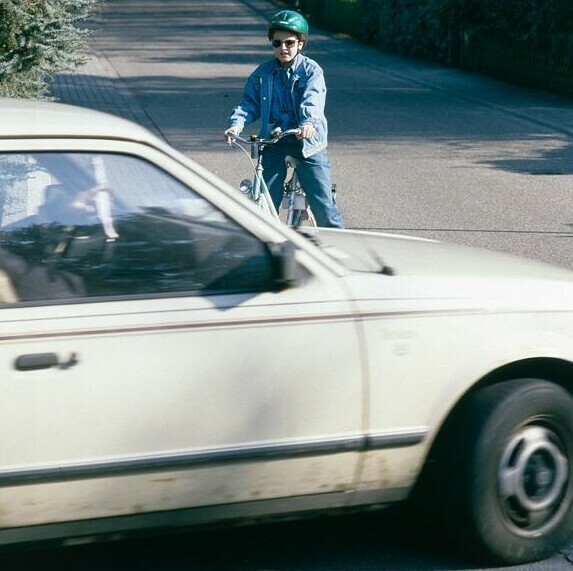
(233, 137)
(277, 134)
(291, 132)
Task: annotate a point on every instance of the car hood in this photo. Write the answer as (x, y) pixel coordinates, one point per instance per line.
(394, 254)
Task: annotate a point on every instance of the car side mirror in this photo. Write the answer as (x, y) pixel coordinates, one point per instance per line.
(285, 269)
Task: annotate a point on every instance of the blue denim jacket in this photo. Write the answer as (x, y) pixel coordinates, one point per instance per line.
(308, 91)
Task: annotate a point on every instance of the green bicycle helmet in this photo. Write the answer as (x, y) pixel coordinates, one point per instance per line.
(289, 20)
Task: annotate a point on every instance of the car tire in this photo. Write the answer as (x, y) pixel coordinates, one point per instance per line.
(510, 471)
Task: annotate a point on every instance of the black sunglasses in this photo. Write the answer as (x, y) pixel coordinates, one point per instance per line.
(287, 43)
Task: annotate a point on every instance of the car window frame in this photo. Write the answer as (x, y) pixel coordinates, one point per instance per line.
(160, 165)
(213, 189)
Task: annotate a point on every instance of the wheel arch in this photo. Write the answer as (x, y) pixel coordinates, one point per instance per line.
(442, 486)
(559, 371)
(556, 370)
(432, 493)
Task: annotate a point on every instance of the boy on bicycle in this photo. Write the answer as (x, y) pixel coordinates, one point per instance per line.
(289, 92)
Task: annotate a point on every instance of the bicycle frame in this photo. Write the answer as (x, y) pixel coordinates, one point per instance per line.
(257, 190)
(260, 193)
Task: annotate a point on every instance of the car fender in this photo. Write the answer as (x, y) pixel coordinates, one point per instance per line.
(421, 366)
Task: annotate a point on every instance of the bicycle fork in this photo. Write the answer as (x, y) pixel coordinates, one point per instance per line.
(258, 192)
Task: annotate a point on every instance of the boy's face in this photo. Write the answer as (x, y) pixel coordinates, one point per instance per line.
(285, 46)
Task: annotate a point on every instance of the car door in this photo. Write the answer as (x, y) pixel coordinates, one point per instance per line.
(150, 362)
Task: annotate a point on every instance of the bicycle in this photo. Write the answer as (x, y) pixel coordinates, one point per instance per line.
(294, 202)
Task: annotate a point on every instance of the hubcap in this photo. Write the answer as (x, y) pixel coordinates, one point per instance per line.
(533, 477)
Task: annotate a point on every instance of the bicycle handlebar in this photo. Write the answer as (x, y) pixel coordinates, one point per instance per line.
(275, 137)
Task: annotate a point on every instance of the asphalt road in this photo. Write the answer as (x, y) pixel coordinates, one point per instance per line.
(415, 148)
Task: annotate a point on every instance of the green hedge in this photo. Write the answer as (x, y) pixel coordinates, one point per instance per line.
(340, 16)
(438, 30)
(517, 63)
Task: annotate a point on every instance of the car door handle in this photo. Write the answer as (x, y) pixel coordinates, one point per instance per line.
(36, 361)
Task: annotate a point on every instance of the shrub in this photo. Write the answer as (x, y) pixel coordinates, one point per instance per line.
(38, 39)
(430, 28)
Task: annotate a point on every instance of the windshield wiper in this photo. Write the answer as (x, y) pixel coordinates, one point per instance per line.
(383, 268)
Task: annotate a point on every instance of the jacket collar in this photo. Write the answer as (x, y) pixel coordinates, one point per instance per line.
(296, 63)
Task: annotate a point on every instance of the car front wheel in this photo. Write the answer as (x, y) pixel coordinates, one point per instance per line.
(513, 470)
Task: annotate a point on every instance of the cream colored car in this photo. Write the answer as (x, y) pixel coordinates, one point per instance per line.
(170, 357)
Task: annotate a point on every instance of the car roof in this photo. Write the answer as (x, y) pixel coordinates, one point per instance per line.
(30, 118)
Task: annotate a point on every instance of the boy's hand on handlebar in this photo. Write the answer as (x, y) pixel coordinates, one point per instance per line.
(230, 133)
(306, 131)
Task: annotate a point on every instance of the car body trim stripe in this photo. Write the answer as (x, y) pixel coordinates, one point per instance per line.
(281, 450)
(232, 323)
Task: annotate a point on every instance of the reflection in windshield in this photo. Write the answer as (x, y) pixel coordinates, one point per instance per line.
(79, 224)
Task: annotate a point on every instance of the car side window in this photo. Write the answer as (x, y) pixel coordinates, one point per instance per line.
(90, 225)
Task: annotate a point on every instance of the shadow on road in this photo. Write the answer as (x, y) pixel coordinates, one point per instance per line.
(205, 55)
(379, 114)
(382, 540)
(551, 162)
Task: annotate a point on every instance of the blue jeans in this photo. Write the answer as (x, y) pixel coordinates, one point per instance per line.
(313, 173)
